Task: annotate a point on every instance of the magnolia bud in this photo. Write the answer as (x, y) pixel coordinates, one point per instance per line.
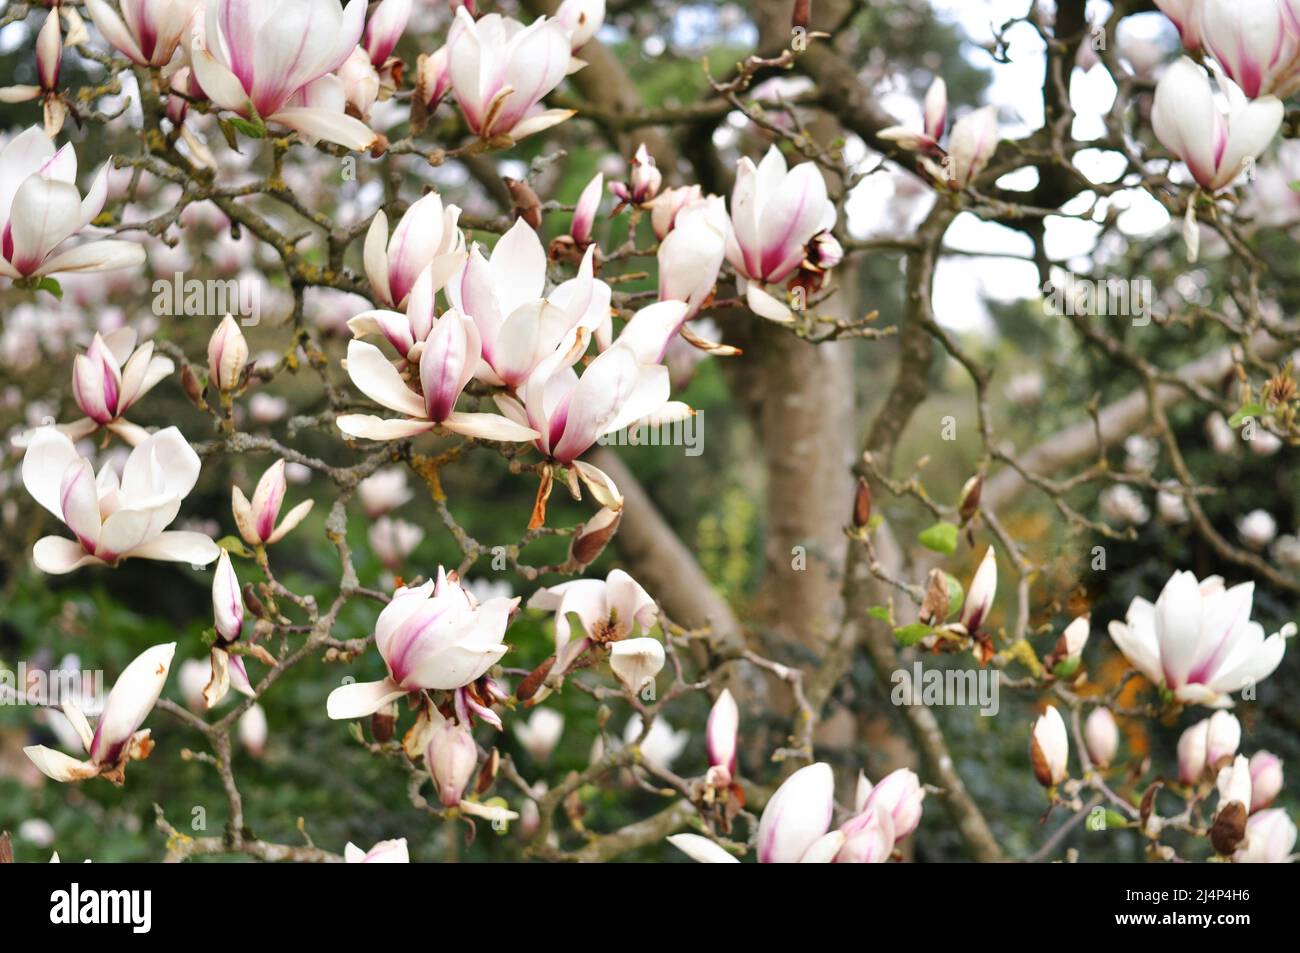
(451, 758)
(1191, 752)
(979, 596)
(1265, 779)
(191, 386)
(1049, 748)
(227, 355)
(1101, 736)
(721, 730)
(384, 722)
(594, 535)
(1222, 739)
(862, 504)
(797, 815)
(227, 606)
(253, 730)
(969, 501)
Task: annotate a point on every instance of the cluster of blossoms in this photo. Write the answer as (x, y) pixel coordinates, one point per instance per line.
(454, 324)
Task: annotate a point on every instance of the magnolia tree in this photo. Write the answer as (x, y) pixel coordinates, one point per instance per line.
(364, 213)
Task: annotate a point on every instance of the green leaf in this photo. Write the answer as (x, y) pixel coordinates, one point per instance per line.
(235, 546)
(911, 634)
(53, 287)
(881, 612)
(941, 537)
(1250, 410)
(1066, 668)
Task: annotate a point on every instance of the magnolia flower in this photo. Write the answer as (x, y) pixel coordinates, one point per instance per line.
(636, 662)
(898, 795)
(446, 366)
(227, 670)
(692, 253)
(518, 324)
(934, 118)
(979, 595)
(867, 838)
(394, 540)
(1192, 746)
(1049, 748)
(41, 208)
(116, 738)
(501, 69)
(111, 376)
(1215, 145)
(701, 849)
(49, 58)
(432, 78)
(622, 387)
(426, 237)
(273, 61)
(609, 611)
(582, 19)
(720, 735)
(1197, 641)
(1257, 528)
(774, 214)
(1186, 16)
(114, 520)
(383, 491)
(1222, 738)
(584, 213)
(540, 733)
(666, 205)
(661, 746)
(434, 636)
(1123, 504)
(148, 31)
(644, 179)
(1233, 784)
(227, 355)
(1170, 508)
(797, 815)
(385, 852)
(385, 28)
(257, 520)
(360, 83)
(1101, 736)
(1255, 42)
(1270, 839)
(1265, 779)
(405, 332)
(971, 144)
(253, 730)
(451, 757)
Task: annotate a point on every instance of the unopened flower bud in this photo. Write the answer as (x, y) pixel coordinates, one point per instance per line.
(594, 535)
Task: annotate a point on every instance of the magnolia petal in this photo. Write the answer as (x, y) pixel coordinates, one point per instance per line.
(56, 555)
(701, 849)
(291, 519)
(489, 427)
(370, 427)
(107, 255)
(361, 698)
(59, 766)
(317, 123)
(375, 377)
(178, 546)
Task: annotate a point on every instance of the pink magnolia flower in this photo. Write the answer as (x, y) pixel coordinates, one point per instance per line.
(1186, 16)
(540, 733)
(393, 540)
(257, 520)
(1256, 43)
(426, 237)
(227, 355)
(1216, 145)
(584, 213)
(432, 78)
(666, 205)
(451, 757)
(1197, 641)
(383, 492)
(446, 365)
(720, 733)
(385, 28)
(41, 208)
(49, 58)
(1101, 736)
(519, 325)
(1270, 838)
(582, 19)
(273, 61)
(360, 82)
(609, 610)
(797, 815)
(109, 378)
(116, 738)
(643, 181)
(1265, 779)
(898, 795)
(227, 670)
(114, 520)
(934, 119)
(435, 636)
(501, 69)
(148, 31)
(619, 388)
(775, 212)
(691, 256)
(385, 852)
